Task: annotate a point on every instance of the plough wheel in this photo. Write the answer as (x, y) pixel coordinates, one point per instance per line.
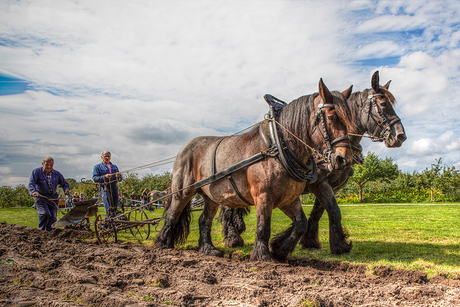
(142, 231)
(105, 232)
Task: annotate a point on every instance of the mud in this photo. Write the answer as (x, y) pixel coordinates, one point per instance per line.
(65, 268)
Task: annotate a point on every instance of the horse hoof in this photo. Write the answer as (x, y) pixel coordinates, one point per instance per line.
(341, 249)
(262, 257)
(312, 245)
(211, 251)
(234, 243)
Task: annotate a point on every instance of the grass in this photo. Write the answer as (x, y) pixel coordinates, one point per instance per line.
(416, 237)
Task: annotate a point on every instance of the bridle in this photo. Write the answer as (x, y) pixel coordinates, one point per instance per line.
(327, 152)
(383, 129)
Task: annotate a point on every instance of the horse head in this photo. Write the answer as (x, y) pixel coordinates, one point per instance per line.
(378, 115)
(329, 127)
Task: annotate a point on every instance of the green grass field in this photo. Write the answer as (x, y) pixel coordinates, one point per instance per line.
(417, 237)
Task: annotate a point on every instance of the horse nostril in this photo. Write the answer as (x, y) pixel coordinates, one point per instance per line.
(340, 161)
(401, 137)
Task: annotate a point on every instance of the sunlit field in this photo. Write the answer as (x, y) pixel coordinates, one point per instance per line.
(421, 237)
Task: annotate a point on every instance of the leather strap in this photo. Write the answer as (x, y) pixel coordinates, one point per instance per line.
(237, 191)
(236, 167)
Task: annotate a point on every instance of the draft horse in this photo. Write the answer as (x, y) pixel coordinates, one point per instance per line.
(266, 184)
(372, 113)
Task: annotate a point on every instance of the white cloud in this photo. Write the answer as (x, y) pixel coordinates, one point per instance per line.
(140, 78)
(379, 50)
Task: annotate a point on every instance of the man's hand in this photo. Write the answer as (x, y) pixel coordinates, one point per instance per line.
(35, 194)
(67, 192)
(107, 176)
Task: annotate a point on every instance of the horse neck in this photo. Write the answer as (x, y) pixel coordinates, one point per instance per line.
(355, 103)
(295, 117)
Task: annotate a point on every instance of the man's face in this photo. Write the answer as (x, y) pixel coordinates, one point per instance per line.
(106, 159)
(48, 166)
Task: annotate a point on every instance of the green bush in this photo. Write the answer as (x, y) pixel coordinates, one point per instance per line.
(17, 197)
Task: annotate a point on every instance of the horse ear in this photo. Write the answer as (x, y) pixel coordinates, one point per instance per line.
(324, 92)
(386, 86)
(375, 82)
(347, 92)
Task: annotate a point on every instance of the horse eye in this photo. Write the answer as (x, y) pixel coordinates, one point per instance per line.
(383, 104)
(331, 118)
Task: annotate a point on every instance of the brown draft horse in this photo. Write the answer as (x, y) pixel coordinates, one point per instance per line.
(372, 112)
(265, 183)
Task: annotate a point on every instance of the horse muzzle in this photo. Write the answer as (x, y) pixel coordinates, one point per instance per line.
(396, 137)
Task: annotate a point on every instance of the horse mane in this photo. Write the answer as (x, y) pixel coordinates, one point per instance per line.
(389, 96)
(296, 112)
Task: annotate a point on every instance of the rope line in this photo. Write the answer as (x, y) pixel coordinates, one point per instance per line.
(287, 130)
(153, 164)
(366, 136)
(166, 161)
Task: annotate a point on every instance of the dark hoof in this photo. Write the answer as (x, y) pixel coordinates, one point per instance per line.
(265, 258)
(340, 249)
(161, 244)
(234, 242)
(311, 244)
(211, 251)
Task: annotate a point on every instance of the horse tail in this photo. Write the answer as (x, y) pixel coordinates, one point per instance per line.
(182, 229)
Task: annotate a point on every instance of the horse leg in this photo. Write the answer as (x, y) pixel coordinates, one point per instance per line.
(337, 236)
(311, 239)
(285, 242)
(205, 245)
(177, 220)
(260, 251)
(229, 218)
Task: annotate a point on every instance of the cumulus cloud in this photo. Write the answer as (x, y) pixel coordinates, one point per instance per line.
(141, 78)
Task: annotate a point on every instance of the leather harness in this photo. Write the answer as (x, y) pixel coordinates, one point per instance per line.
(383, 129)
(276, 147)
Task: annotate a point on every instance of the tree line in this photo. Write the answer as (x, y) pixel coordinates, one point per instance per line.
(19, 196)
(378, 180)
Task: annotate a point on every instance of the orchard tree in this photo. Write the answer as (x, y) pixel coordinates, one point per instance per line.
(439, 176)
(373, 169)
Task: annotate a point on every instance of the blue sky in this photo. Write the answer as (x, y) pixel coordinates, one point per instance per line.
(141, 78)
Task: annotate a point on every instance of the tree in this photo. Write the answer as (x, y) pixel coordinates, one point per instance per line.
(130, 183)
(157, 182)
(374, 169)
(17, 197)
(439, 176)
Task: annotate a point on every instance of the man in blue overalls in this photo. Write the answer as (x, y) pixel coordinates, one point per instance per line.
(42, 187)
(107, 175)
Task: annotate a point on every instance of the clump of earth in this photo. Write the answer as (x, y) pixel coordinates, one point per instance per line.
(67, 267)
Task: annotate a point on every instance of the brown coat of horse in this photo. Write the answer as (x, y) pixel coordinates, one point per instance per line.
(373, 117)
(265, 183)
(372, 112)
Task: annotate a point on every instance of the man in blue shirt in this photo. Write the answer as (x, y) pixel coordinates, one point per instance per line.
(42, 187)
(107, 175)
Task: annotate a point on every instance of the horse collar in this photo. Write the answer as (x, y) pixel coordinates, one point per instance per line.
(277, 147)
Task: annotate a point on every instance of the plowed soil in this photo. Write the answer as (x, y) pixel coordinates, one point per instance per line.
(63, 268)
